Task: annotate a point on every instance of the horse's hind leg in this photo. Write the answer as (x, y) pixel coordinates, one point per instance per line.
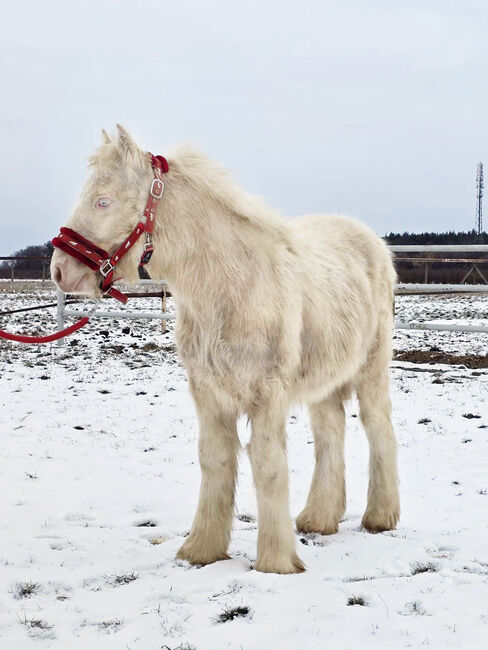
(383, 509)
(326, 501)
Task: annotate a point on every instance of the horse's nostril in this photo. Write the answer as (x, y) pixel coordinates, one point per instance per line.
(57, 275)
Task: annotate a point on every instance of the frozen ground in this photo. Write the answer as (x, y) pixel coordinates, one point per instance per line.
(471, 309)
(99, 481)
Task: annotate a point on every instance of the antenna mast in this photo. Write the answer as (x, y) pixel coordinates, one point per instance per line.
(479, 199)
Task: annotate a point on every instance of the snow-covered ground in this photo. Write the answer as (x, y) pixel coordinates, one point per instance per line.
(460, 309)
(99, 480)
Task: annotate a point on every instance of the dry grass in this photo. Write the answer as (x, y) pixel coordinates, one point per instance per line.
(423, 567)
(125, 578)
(24, 589)
(229, 614)
(357, 600)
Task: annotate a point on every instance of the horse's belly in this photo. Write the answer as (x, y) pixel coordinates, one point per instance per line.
(328, 363)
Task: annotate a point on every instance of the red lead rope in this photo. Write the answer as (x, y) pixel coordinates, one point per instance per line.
(20, 338)
(99, 260)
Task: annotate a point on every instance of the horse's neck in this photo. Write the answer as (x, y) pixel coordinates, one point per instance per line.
(204, 252)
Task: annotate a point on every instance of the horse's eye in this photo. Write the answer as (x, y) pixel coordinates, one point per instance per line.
(103, 202)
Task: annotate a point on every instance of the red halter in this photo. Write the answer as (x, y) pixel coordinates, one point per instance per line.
(98, 259)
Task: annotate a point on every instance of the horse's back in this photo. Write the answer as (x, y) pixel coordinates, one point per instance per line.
(338, 235)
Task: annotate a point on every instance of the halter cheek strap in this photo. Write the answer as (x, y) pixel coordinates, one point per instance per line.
(96, 258)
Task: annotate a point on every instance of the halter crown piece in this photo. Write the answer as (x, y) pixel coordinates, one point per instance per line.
(98, 259)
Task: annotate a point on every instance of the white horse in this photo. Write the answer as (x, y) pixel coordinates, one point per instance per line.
(270, 312)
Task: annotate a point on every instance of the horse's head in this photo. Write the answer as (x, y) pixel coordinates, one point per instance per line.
(107, 211)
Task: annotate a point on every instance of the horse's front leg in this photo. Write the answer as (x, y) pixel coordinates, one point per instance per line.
(218, 448)
(267, 451)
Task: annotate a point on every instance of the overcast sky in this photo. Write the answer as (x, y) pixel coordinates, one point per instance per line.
(376, 109)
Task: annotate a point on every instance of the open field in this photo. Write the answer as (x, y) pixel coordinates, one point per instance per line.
(99, 480)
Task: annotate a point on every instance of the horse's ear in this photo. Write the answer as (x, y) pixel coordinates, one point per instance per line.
(105, 137)
(125, 142)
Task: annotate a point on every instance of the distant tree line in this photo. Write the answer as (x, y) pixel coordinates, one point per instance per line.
(30, 268)
(451, 237)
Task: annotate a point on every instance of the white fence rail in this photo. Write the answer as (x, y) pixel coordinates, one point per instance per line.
(440, 288)
(63, 313)
(444, 248)
(402, 288)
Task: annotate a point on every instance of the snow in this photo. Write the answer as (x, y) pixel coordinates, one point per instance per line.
(100, 437)
(461, 309)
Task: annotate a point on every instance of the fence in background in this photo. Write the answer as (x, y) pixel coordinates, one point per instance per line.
(163, 316)
(419, 289)
(401, 289)
(11, 263)
(443, 268)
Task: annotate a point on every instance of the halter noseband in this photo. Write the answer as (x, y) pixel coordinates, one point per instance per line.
(98, 259)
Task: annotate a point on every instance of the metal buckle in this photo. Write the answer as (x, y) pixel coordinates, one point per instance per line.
(156, 185)
(147, 252)
(104, 270)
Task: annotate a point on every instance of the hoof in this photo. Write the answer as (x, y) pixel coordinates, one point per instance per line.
(280, 564)
(376, 521)
(307, 523)
(196, 554)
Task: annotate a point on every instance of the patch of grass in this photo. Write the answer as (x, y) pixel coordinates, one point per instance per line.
(424, 421)
(229, 614)
(423, 567)
(125, 578)
(24, 589)
(233, 589)
(110, 626)
(37, 627)
(147, 524)
(471, 416)
(360, 579)
(117, 349)
(150, 347)
(357, 600)
(32, 476)
(416, 607)
(246, 518)
(37, 623)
